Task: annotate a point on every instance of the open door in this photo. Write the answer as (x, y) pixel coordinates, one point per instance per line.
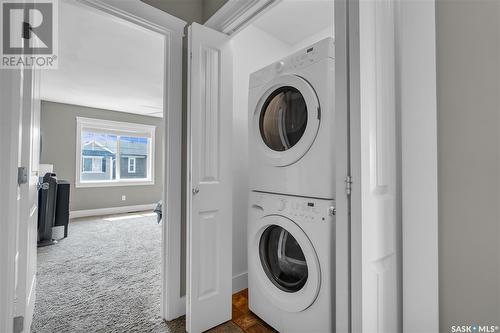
(378, 178)
(28, 203)
(209, 203)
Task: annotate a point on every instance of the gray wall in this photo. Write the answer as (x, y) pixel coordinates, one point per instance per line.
(58, 130)
(210, 7)
(468, 90)
(187, 10)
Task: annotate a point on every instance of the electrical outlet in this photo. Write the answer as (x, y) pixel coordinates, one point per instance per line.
(124, 197)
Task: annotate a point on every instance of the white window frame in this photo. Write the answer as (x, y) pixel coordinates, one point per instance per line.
(132, 166)
(93, 158)
(119, 129)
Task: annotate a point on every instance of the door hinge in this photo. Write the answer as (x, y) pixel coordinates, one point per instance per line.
(348, 185)
(18, 324)
(22, 175)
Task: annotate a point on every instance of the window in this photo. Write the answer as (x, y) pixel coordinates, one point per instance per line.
(111, 153)
(93, 164)
(131, 165)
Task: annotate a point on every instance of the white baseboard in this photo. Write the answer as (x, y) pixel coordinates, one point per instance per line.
(109, 211)
(240, 282)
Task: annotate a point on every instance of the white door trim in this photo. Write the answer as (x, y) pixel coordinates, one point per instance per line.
(419, 182)
(172, 29)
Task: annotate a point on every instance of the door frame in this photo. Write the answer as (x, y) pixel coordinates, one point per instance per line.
(172, 30)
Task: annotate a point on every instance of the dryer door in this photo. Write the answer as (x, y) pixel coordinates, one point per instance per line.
(286, 120)
(286, 265)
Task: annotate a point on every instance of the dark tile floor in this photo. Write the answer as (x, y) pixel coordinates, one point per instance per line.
(244, 318)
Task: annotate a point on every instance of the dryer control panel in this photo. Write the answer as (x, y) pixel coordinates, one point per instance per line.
(295, 208)
(307, 56)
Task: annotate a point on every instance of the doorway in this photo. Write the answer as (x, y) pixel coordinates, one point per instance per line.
(106, 100)
(171, 30)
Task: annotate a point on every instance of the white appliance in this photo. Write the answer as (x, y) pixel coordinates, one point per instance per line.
(291, 267)
(291, 124)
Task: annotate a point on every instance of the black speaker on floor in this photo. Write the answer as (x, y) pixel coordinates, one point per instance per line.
(47, 209)
(62, 205)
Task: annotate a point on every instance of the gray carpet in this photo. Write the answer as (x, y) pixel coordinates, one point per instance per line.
(105, 277)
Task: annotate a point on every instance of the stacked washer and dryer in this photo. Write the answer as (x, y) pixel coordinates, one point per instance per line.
(291, 243)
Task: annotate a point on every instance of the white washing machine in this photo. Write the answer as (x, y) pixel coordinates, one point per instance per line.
(291, 124)
(291, 262)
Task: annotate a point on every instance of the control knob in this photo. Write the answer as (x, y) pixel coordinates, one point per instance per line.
(279, 66)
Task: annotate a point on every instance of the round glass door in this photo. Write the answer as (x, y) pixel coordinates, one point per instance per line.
(286, 119)
(283, 259)
(283, 263)
(283, 119)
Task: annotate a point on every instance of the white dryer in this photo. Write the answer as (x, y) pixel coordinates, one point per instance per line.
(291, 262)
(291, 124)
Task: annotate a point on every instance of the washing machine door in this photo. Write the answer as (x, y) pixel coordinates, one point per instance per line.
(286, 120)
(285, 263)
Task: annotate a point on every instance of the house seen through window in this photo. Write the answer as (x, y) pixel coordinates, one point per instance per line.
(94, 164)
(114, 153)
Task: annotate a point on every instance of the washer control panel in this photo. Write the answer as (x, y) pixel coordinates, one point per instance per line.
(306, 209)
(306, 57)
(303, 59)
(295, 208)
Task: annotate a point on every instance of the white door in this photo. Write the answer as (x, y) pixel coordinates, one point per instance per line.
(28, 214)
(379, 181)
(209, 246)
